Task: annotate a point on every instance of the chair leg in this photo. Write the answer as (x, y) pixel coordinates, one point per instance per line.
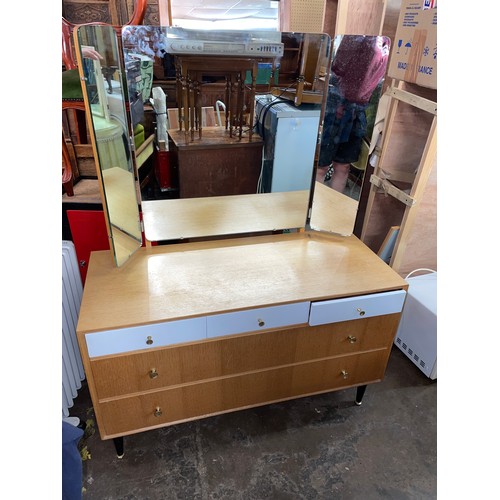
(68, 188)
(67, 173)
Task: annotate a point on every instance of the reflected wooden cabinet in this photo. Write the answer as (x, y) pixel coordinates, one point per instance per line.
(200, 329)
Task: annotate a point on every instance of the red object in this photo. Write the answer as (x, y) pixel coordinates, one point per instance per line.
(164, 170)
(89, 233)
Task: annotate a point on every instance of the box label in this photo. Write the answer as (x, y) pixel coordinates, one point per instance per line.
(414, 54)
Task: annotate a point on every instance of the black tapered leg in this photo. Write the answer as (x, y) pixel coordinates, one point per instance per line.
(119, 446)
(360, 392)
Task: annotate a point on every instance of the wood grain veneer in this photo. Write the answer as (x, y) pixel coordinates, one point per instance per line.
(136, 413)
(216, 375)
(171, 282)
(176, 365)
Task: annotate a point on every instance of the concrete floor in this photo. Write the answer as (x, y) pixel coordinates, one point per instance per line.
(321, 447)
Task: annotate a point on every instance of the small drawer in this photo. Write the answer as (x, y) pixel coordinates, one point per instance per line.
(257, 319)
(145, 336)
(360, 307)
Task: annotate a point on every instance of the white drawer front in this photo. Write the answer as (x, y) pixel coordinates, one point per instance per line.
(363, 306)
(134, 338)
(257, 319)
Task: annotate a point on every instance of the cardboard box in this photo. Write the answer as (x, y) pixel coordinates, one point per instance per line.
(414, 50)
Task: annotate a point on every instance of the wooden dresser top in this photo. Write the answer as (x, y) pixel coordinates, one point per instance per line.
(171, 282)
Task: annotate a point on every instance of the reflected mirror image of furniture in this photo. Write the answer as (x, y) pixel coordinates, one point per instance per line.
(72, 96)
(254, 306)
(191, 71)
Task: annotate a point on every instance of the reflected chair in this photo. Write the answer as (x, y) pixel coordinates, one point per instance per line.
(358, 168)
(72, 95)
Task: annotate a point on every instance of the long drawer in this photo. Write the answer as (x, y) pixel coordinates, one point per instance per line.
(145, 336)
(360, 307)
(141, 412)
(160, 368)
(261, 318)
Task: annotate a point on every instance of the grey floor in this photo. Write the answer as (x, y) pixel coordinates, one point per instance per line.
(321, 447)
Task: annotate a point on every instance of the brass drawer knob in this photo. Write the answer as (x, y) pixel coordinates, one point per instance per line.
(149, 340)
(261, 322)
(344, 374)
(158, 412)
(153, 373)
(361, 312)
(352, 339)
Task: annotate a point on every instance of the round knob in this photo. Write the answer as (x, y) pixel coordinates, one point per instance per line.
(361, 312)
(158, 412)
(261, 322)
(149, 340)
(153, 373)
(344, 374)
(352, 339)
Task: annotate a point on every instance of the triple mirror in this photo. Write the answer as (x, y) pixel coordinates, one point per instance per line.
(241, 132)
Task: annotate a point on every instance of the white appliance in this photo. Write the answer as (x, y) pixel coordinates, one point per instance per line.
(217, 48)
(290, 136)
(417, 333)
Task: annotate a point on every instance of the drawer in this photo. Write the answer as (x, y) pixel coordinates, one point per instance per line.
(138, 413)
(145, 336)
(129, 373)
(257, 319)
(360, 307)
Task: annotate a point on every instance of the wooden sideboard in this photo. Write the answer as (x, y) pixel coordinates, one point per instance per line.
(216, 164)
(187, 331)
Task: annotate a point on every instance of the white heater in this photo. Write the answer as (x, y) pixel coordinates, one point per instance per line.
(72, 366)
(417, 332)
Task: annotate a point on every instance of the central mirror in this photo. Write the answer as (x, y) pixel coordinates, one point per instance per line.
(235, 117)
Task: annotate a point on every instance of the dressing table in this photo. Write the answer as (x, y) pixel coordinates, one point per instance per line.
(219, 323)
(192, 330)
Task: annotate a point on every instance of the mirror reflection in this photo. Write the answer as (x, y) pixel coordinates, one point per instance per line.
(357, 73)
(222, 129)
(100, 66)
(235, 119)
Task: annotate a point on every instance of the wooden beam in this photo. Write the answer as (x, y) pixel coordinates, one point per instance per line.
(392, 190)
(413, 100)
(356, 17)
(165, 12)
(388, 124)
(424, 170)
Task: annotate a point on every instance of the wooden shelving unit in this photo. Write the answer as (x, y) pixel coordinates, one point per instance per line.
(384, 181)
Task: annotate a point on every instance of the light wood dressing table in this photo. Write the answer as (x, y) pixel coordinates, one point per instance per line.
(186, 331)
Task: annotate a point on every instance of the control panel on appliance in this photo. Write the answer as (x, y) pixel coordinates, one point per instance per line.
(201, 47)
